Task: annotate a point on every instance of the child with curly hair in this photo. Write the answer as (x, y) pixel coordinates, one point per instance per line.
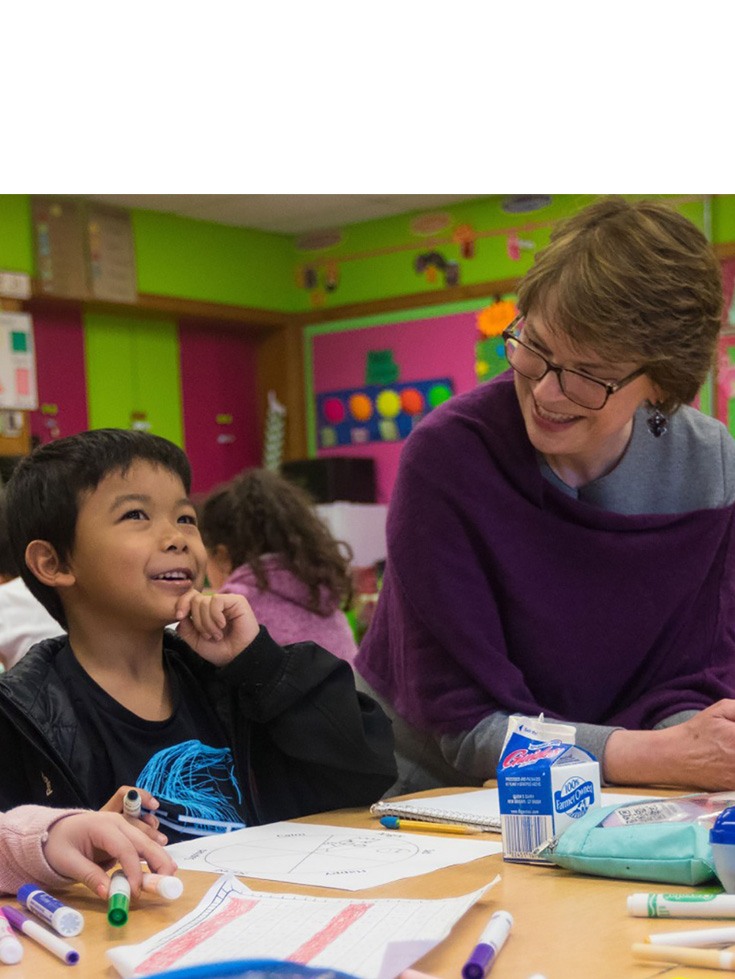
(265, 540)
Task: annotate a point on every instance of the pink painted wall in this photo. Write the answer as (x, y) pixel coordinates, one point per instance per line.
(442, 346)
(59, 340)
(218, 378)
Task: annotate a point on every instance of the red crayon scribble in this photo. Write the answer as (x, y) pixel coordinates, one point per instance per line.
(165, 957)
(336, 927)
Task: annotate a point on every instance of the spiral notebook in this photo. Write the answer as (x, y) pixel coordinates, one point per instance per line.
(478, 809)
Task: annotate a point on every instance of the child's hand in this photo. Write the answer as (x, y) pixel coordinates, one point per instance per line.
(218, 627)
(79, 846)
(147, 822)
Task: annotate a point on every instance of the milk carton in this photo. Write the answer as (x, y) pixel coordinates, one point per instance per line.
(543, 785)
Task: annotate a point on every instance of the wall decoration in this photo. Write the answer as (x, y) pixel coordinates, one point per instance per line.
(275, 433)
(436, 342)
(515, 245)
(111, 254)
(425, 225)
(375, 413)
(381, 367)
(316, 241)
(58, 231)
(490, 357)
(465, 236)
(17, 362)
(432, 263)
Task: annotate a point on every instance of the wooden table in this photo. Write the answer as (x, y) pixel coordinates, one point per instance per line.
(567, 926)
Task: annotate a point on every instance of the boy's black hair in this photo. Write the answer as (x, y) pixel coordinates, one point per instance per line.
(43, 494)
(8, 565)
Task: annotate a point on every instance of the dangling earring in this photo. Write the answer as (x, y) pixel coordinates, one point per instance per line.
(657, 422)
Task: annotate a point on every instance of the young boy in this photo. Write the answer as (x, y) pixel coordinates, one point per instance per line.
(219, 723)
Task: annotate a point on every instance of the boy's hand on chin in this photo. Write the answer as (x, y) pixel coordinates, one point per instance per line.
(218, 627)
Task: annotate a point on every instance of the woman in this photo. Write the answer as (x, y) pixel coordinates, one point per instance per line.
(560, 539)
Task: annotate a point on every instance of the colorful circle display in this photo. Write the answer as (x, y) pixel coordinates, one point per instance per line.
(438, 393)
(412, 401)
(334, 411)
(388, 403)
(361, 407)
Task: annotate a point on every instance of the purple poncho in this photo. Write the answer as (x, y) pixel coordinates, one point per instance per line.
(502, 593)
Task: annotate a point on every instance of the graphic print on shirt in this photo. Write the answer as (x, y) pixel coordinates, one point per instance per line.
(196, 787)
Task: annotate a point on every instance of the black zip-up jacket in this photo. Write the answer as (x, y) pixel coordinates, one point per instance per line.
(303, 739)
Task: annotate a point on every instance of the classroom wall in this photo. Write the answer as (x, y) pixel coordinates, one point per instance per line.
(424, 345)
(214, 263)
(374, 260)
(373, 263)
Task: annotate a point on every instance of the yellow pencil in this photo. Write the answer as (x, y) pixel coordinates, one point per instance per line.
(685, 955)
(393, 822)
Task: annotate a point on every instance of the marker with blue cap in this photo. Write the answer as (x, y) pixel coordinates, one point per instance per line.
(487, 949)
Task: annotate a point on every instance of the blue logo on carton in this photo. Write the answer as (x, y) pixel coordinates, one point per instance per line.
(574, 798)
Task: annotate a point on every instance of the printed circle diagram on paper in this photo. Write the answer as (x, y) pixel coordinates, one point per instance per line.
(296, 851)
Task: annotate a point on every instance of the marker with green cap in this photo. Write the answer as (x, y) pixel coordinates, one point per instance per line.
(118, 899)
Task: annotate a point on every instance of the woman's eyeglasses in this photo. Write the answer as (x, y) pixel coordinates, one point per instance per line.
(583, 390)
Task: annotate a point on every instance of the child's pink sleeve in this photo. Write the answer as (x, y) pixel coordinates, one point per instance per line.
(23, 831)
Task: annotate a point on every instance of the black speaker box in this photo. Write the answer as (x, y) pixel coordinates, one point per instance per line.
(334, 478)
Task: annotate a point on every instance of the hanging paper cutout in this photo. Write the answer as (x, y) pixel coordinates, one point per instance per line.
(465, 236)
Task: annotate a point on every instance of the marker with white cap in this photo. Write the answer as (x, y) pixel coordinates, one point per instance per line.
(163, 885)
(11, 951)
(46, 938)
(64, 920)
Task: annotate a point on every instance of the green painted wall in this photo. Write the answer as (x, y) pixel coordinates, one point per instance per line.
(393, 274)
(203, 261)
(132, 365)
(213, 262)
(723, 218)
(16, 239)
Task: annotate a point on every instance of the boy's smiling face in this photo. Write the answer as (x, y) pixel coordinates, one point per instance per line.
(137, 548)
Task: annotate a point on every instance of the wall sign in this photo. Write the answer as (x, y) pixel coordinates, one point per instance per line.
(17, 362)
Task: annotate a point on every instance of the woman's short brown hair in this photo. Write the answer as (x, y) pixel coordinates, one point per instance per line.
(633, 282)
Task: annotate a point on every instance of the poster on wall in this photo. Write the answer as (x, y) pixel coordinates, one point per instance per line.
(58, 230)
(376, 413)
(17, 362)
(111, 255)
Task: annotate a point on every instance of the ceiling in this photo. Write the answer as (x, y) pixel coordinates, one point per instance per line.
(289, 214)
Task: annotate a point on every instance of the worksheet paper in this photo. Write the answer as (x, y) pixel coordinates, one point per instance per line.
(374, 938)
(327, 856)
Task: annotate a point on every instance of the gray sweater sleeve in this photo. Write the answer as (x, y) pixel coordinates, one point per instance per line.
(477, 752)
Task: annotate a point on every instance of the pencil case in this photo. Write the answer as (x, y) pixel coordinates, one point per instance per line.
(663, 840)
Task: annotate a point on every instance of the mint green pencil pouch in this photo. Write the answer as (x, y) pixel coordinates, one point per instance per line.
(655, 841)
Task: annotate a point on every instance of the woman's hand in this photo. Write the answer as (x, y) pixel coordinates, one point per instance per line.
(80, 846)
(217, 627)
(699, 753)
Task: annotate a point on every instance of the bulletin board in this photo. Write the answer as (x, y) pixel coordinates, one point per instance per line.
(412, 360)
